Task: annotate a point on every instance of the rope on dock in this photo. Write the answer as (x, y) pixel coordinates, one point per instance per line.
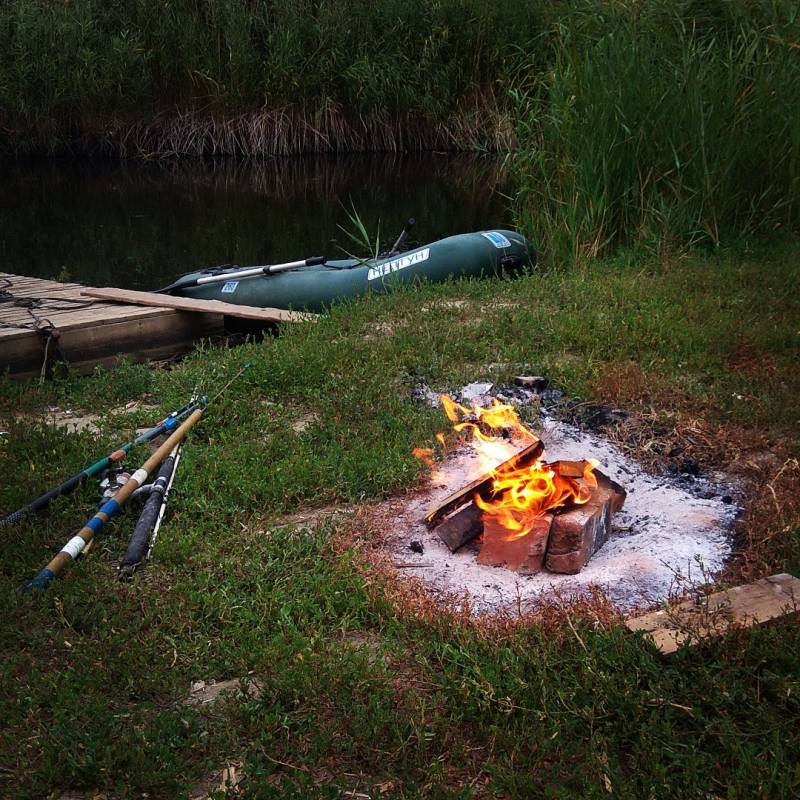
(40, 324)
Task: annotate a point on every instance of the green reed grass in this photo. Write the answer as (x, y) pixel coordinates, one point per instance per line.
(661, 121)
(333, 71)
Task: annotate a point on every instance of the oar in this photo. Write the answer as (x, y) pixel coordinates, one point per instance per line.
(111, 508)
(152, 513)
(40, 503)
(241, 274)
(402, 237)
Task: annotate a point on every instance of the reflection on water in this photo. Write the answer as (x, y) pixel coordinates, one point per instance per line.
(139, 225)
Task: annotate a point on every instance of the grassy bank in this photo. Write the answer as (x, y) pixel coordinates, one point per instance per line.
(366, 686)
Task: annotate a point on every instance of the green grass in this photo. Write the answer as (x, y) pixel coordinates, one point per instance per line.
(661, 122)
(357, 694)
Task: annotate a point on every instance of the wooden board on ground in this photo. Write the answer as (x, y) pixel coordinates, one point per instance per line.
(192, 304)
(741, 607)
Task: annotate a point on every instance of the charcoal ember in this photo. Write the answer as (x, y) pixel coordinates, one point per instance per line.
(524, 555)
(689, 466)
(416, 547)
(599, 416)
(551, 396)
(516, 396)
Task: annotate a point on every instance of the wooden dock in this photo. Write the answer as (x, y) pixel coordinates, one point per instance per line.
(45, 322)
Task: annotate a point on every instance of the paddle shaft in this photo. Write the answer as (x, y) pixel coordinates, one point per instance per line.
(247, 272)
(111, 507)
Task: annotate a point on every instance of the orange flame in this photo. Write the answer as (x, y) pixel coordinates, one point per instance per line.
(519, 495)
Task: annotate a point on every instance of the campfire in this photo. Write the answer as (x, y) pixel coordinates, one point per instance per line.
(530, 514)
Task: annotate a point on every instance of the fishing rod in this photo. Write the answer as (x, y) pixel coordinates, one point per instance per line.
(160, 517)
(152, 513)
(40, 503)
(237, 274)
(73, 548)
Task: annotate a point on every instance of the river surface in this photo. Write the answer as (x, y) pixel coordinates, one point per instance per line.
(140, 225)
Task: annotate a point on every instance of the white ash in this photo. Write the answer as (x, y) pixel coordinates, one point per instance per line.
(482, 393)
(664, 541)
(478, 393)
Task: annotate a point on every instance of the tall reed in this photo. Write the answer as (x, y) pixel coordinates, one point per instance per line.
(660, 121)
(255, 76)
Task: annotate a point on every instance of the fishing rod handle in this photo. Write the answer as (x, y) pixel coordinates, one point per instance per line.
(134, 553)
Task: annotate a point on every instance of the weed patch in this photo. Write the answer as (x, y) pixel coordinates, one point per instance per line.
(95, 673)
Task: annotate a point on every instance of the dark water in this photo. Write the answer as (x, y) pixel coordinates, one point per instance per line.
(140, 225)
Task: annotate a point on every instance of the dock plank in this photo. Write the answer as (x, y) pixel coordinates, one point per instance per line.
(191, 304)
(691, 621)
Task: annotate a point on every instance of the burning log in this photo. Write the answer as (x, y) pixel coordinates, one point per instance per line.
(461, 527)
(579, 532)
(523, 458)
(530, 511)
(523, 554)
(569, 469)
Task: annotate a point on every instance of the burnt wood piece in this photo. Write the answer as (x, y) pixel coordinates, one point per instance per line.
(569, 469)
(526, 456)
(461, 527)
(524, 555)
(618, 492)
(579, 532)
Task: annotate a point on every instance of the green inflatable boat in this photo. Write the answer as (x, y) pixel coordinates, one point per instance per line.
(314, 283)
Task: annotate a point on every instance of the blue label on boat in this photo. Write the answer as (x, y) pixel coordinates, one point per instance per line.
(497, 239)
(230, 287)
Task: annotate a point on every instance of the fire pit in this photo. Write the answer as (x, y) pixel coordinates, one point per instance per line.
(501, 526)
(528, 513)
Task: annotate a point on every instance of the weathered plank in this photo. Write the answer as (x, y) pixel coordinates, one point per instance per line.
(191, 304)
(688, 622)
(95, 334)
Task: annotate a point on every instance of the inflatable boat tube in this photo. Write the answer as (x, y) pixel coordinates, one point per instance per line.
(313, 288)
